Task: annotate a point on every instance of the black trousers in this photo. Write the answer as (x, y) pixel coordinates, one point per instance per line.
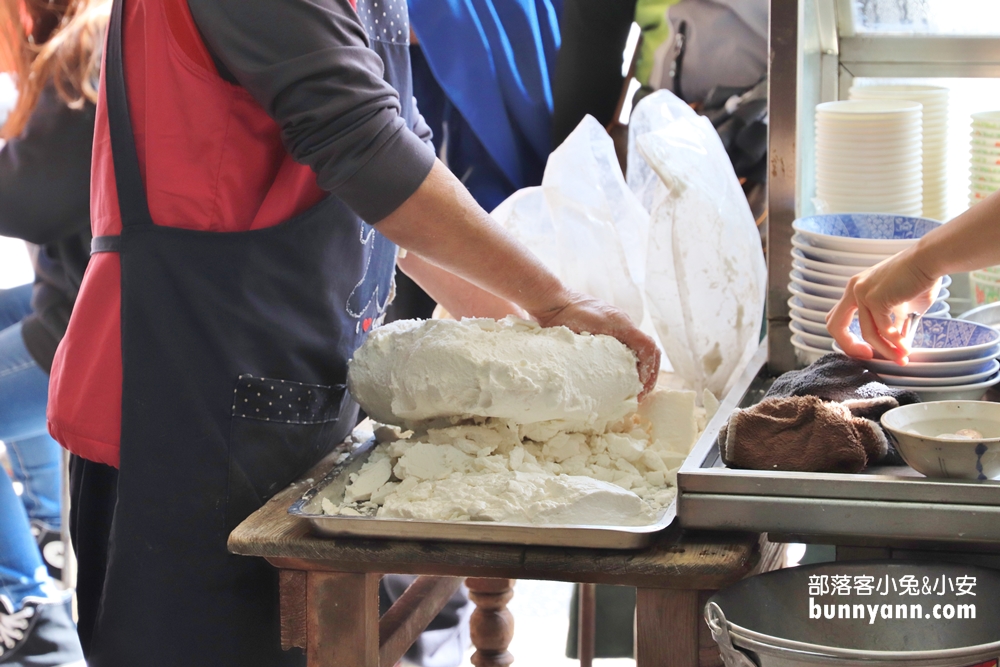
(93, 492)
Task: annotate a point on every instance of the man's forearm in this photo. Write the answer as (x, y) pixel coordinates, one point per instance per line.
(456, 295)
(442, 224)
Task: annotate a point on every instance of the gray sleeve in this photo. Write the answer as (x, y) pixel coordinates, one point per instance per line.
(420, 126)
(45, 173)
(308, 64)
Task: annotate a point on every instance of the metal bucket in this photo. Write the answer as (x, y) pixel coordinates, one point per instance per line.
(911, 613)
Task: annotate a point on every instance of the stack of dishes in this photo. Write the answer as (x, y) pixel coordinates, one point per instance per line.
(869, 157)
(934, 100)
(827, 251)
(951, 360)
(984, 168)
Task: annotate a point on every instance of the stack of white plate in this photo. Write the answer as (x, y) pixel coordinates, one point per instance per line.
(934, 119)
(951, 360)
(984, 167)
(827, 251)
(869, 157)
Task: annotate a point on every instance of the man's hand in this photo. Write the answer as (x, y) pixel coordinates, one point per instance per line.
(582, 313)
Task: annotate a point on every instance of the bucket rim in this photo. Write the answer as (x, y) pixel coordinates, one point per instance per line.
(835, 652)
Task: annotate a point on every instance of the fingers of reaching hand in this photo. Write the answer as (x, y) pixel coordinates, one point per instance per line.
(875, 328)
(837, 322)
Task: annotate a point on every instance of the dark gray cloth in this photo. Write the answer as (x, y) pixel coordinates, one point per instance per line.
(309, 65)
(837, 377)
(45, 200)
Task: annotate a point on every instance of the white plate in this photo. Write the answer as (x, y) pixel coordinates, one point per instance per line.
(910, 381)
(969, 392)
(807, 325)
(884, 247)
(927, 370)
(819, 276)
(806, 353)
(811, 314)
(816, 289)
(820, 342)
(810, 300)
(834, 268)
(859, 259)
(936, 357)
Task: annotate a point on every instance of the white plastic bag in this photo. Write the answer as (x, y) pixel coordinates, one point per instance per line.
(583, 222)
(655, 111)
(706, 277)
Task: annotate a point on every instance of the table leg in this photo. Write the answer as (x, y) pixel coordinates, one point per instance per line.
(666, 628)
(342, 622)
(491, 624)
(586, 624)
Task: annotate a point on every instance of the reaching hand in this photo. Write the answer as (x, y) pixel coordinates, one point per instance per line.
(584, 313)
(883, 296)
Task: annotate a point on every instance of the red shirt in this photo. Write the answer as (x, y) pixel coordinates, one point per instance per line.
(211, 159)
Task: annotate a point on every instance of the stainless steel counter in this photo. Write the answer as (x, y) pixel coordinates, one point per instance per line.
(884, 503)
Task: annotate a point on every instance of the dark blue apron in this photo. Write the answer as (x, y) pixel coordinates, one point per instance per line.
(234, 359)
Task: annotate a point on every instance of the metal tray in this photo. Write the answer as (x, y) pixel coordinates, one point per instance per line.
(885, 503)
(333, 484)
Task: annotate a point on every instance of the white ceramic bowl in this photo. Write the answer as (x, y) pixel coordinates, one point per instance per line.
(814, 340)
(806, 313)
(812, 301)
(910, 381)
(806, 353)
(815, 289)
(927, 369)
(916, 431)
(819, 276)
(840, 257)
(808, 326)
(834, 268)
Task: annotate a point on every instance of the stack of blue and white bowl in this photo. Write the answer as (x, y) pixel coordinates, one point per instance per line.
(827, 251)
(951, 360)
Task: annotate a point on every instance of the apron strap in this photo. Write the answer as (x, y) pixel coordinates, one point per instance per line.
(132, 202)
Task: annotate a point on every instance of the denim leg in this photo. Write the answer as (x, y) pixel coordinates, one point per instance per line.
(36, 463)
(15, 305)
(22, 573)
(23, 396)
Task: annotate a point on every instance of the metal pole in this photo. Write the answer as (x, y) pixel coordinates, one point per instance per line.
(782, 100)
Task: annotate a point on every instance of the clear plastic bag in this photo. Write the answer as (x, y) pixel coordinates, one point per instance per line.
(655, 111)
(706, 278)
(583, 222)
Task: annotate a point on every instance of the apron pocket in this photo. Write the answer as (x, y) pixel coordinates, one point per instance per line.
(279, 429)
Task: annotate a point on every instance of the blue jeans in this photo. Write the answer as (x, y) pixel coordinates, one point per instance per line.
(34, 456)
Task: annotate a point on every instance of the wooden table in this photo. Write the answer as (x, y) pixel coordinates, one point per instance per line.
(329, 587)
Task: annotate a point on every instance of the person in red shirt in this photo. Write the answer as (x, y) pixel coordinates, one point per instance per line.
(256, 166)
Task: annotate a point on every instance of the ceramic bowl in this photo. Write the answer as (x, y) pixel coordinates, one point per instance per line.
(811, 300)
(942, 339)
(815, 340)
(843, 258)
(806, 353)
(820, 277)
(805, 313)
(928, 369)
(938, 309)
(815, 289)
(877, 234)
(845, 270)
(917, 429)
(808, 326)
(949, 381)
(988, 314)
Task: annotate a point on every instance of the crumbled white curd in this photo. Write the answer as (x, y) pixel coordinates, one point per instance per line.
(510, 422)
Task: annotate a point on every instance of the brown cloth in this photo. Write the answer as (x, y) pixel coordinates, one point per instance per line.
(801, 433)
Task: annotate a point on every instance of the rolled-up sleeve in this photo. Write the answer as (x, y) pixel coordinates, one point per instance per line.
(308, 64)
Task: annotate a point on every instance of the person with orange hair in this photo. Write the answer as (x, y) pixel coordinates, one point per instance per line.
(51, 52)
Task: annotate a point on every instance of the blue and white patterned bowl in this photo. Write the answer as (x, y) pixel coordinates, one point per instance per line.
(947, 381)
(941, 339)
(873, 233)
